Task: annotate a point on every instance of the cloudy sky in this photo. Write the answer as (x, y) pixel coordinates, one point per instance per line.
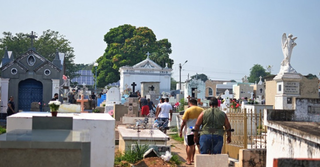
(222, 39)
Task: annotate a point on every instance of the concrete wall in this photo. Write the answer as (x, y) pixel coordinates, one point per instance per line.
(309, 88)
(290, 139)
(252, 158)
(270, 92)
(307, 109)
(284, 144)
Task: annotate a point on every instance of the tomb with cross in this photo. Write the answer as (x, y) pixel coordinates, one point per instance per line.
(133, 93)
(226, 97)
(195, 92)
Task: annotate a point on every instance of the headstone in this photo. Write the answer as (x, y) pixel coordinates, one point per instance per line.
(82, 100)
(133, 93)
(113, 97)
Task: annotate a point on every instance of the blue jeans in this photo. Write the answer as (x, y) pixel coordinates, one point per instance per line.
(163, 122)
(211, 144)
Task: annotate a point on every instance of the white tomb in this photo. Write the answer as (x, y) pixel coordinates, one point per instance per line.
(145, 71)
(113, 97)
(127, 137)
(101, 131)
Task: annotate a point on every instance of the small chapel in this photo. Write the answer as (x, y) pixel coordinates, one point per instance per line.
(145, 76)
(30, 78)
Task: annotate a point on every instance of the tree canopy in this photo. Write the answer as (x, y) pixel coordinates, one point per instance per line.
(203, 77)
(45, 45)
(255, 72)
(128, 45)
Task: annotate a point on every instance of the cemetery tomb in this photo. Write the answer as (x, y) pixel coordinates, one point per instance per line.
(128, 137)
(100, 126)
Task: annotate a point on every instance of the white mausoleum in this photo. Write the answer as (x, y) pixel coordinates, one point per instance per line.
(145, 71)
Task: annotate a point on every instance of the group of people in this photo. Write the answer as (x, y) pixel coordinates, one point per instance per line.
(162, 112)
(211, 123)
(201, 128)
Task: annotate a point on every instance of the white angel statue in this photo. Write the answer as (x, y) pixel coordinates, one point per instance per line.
(287, 45)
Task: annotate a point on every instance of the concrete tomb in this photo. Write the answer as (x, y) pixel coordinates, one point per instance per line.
(128, 137)
(51, 142)
(99, 126)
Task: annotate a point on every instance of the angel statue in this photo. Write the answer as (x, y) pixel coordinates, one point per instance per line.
(287, 45)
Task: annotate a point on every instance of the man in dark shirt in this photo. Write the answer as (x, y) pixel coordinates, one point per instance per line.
(10, 109)
(55, 97)
(93, 100)
(144, 107)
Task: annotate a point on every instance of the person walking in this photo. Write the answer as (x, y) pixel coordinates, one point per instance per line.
(189, 119)
(144, 106)
(151, 108)
(162, 114)
(212, 120)
(10, 109)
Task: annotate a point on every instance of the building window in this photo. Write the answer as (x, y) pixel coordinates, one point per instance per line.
(279, 88)
(47, 72)
(260, 90)
(210, 92)
(14, 71)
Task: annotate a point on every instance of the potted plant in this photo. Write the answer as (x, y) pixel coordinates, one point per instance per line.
(54, 106)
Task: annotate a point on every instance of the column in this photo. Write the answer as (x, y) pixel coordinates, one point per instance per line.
(4, 94)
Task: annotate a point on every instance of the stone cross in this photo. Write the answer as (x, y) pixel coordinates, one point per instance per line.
(148, 54)
(82, 100)
(133, 86)
(32, 37)
(151, 87)
(226, 97)
(196, 91)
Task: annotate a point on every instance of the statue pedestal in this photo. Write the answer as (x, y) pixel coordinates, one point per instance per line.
(288, 86)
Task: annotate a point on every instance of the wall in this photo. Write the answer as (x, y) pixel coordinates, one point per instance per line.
(290, 139)
(252, 158)
(270, 92)
(307, 109)
(309, 88)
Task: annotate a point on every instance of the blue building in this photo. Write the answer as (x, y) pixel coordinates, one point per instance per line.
(86, 77)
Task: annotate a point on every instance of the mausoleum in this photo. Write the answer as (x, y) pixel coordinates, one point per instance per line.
(147, 71)
(30, 78)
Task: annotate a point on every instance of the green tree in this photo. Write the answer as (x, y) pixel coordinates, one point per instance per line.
(46, 45)
(128, 45)
(173, 84)
(203, 77)
(84, 66)
(255, 72)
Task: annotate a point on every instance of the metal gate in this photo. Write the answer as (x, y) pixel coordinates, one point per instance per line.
(30, 91)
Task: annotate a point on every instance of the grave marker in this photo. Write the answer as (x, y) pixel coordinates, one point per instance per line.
(82, 100)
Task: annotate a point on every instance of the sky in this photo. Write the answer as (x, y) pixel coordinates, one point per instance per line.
(222, 39)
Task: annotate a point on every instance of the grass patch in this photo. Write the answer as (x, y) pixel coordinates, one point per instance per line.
(174, 129)
(175, 159)
(2, 130)
(131, 156)
(176, 137)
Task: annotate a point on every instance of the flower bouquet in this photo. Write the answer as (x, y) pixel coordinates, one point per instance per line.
(234, 104)
(54, 106)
